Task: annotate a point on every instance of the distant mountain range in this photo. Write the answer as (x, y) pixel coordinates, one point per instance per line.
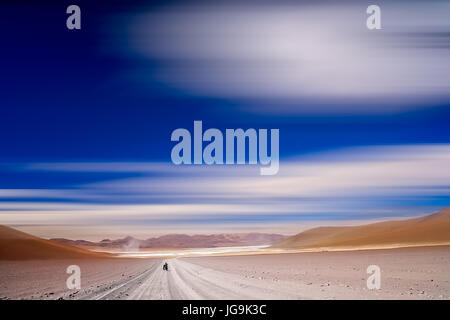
(181, 241)
(433, 229)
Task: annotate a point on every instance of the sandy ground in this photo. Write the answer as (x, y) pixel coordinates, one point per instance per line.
(409, 273)
(46, 279)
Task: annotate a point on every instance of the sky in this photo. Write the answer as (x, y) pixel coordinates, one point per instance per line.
(86, 115)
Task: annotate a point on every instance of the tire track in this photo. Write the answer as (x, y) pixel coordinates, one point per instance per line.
(120, 290)
(185, 280)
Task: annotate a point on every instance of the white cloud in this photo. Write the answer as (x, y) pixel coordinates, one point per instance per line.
(301, 53)
(312, 184)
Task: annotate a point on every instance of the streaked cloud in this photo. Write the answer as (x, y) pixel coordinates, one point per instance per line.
(305, 58)
(357, 183)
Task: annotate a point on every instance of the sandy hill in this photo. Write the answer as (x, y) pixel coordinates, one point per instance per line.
(427, 230)
(17, 245)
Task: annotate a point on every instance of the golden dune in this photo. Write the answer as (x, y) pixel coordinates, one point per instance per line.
(428, 230)
(17, 245)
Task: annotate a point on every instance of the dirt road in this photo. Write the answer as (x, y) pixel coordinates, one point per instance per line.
(185, 280)
(409, 273)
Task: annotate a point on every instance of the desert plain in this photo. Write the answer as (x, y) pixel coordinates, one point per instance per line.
(413, 257)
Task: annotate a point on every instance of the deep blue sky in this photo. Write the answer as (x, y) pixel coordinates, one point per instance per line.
(60, 100)
(65, 97)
